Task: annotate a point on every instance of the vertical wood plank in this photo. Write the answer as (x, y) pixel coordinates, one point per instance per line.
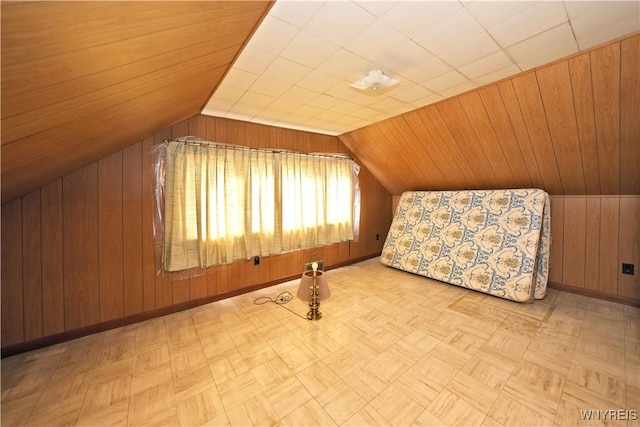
(508, 94)
(32, 265)
(528, 93)
(557, 240)
(605, 66)
(505, 135)
(148, 212)
(555, 87)
(237, 275)
(609, 229)
(592, 243)
(459, 127)
(81, 271)
(629, 246)
(487, 139)
(134, 298)
(574, 227)
(110, 251)
(580, 70)
(12, 292)
(52, 258)
(629, 113)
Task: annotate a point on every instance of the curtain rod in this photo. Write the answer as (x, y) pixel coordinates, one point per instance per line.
(192, 140)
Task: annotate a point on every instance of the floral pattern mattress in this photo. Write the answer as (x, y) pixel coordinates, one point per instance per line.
(492, 241)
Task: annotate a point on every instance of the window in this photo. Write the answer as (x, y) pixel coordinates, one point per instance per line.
(228, 203)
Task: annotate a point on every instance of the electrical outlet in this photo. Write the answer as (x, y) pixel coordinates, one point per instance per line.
(256, 260)
(627, 269)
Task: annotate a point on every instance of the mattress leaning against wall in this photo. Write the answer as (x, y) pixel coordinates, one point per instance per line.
(492, 241)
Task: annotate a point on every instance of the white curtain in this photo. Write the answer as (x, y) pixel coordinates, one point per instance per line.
(226, 204)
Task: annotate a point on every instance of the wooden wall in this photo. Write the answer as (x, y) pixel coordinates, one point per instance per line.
(592, 237)
(80, 251)
(68, 65)
(570, 127)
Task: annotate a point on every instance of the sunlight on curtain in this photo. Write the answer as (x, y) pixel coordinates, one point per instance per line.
(223, 205)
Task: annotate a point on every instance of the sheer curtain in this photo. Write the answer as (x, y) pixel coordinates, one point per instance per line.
(225, 204)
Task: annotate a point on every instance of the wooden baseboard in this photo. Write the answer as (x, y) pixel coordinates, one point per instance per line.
(22, 347)
(595, 294)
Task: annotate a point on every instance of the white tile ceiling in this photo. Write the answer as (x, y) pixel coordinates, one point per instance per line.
(296, 70)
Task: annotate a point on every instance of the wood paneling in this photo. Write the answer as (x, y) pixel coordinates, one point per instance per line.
(597, 234)
(574, 229)
(609, 238)
(80, 228)
(134, 295)
(110, 252)
(629, 113)
(12, 287)
(570, 128)
(592, 244)
(79, 63)
(555, 88)
(605, 76)
(52, 257)
(32, 265)
(629, 247)
(92, 232)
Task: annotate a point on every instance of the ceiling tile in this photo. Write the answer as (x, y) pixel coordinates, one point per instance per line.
(406, 56)
(445, 81)
(257, 99)
(229, 93)
(454, 30)
(552, 44)
(239, 79)
(489, 64)
(339, 22)
(528, 23)
(344, 63)
(273, 35)
(595, 22)
(481, 44)
(412, 94)
(269, 87)
(305, 54)
(286, 71)
(458, 89)
(296, 13)
(498, 75)
(492, 13)
(324, 101)
(589, 35)
(346, 107)
(254, 60)
(377, 8)
(318, 81)
(375, 41)
(299, 94)
(427, 70)
(285, 105)
(413, 17)
(309, 50)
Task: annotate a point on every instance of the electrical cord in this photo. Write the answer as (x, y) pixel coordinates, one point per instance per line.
(280, 300)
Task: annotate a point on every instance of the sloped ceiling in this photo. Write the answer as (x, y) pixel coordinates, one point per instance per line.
(571, 128)
(81, 80)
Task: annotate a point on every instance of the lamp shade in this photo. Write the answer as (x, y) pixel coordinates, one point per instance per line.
(306, 282)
